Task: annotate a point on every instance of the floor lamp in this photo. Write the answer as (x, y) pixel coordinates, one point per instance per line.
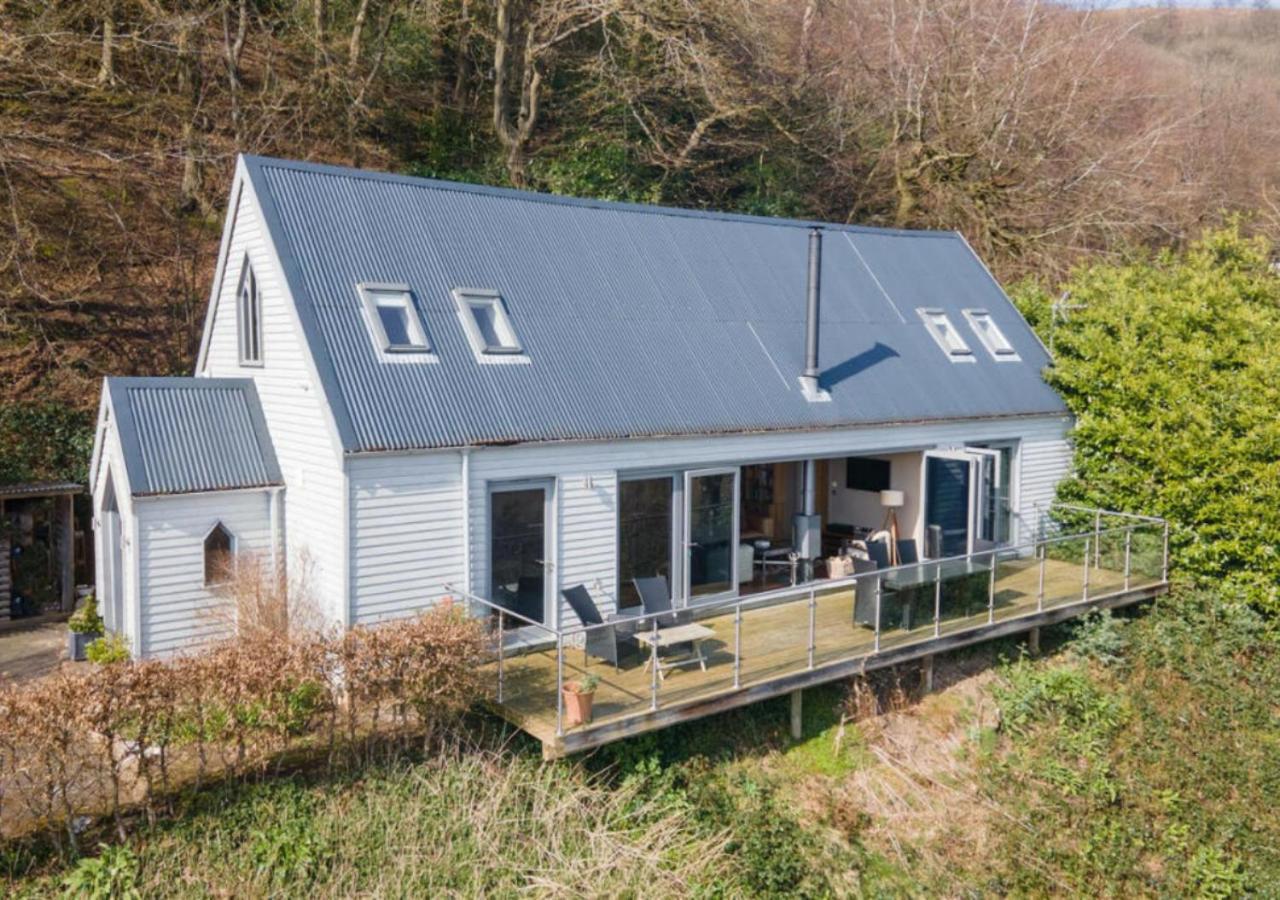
(892, 501)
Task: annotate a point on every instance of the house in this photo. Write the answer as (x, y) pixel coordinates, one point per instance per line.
(419, 389)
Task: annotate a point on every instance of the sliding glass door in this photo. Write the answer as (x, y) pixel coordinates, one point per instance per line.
(711, 533)
(646, 532)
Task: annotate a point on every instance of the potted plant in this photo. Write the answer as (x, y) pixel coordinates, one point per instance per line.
(578, 696)
(84, 627)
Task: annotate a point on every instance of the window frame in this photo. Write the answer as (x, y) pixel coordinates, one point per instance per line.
(249, 315)
(231, 555)
(960, 352)
(992, 337)
(467, 300)
(370, 292)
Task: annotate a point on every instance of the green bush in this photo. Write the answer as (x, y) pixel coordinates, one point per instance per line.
(113, 875)
(110, 648)
(1171, 365)
(86, 620)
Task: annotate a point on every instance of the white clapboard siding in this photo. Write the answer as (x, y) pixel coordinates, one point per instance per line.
(588, 546)
(406, 533)
(292, 404)
(1045, 459)
(177, 610)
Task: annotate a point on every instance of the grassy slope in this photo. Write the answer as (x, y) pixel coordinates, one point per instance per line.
(1139, 758)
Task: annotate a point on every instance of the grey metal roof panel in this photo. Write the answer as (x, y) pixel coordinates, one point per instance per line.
(185, 435)
(39, 489)
(639, 321)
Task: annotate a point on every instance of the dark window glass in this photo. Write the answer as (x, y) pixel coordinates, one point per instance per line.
(395, 324)
(217, 556)
(486, 321)
(517, 551)
(711, 535)
(644, 534)
(947, 504)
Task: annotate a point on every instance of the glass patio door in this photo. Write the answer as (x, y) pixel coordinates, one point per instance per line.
(711, 533)
(519, 551)
(962, 500)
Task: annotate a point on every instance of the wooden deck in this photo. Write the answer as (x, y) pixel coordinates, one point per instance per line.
(775, 654)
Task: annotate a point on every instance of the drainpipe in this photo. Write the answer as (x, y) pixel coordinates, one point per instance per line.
(809, 378)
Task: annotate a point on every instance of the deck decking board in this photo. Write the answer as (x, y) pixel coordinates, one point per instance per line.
(775, 647)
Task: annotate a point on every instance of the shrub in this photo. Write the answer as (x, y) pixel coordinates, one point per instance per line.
(110, 648)
(83, 742)
(86, 620)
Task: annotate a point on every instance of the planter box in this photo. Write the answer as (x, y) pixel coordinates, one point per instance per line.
(77, 642)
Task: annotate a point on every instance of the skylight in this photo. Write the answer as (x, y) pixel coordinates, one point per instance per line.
(948, 338)
(393, 319)
(990, 334)
(488, 326)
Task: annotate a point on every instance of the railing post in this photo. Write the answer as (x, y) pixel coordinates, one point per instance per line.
(937, 599)
(653, 668)
(502, 647)
(559, 685)
(1128, 543)
(1043, 552)
(877, 638)
(737, 646)
(991, 591)
(1086, 569)
(1164, 569)
(813, 625)
(1097, 539)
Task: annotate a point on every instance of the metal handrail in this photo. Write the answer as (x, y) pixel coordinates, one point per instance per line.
(502, 610)
(1105, 512)
(801, 592)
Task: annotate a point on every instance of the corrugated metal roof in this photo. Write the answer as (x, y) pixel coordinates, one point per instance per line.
(182, 435)
(639, 321)
(39, 489)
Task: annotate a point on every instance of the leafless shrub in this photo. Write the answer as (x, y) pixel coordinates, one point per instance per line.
(259, 599)
(99, 741)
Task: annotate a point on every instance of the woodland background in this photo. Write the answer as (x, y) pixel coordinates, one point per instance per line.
(1048, 135)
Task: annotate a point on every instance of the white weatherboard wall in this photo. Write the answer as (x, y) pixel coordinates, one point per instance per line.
(179, 611)
(110, 469)
(293, 407)
(406, 524)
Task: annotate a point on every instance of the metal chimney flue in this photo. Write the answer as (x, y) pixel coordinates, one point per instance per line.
(809, 378)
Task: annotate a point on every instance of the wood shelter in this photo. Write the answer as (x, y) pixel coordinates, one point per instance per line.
(61, 539)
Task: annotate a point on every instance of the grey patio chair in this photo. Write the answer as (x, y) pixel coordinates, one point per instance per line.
(655, 597)
(879, 553)
(603, 643)
(864, 594)
(907, 552)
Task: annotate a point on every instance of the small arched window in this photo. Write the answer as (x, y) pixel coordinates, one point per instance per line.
(218, 556)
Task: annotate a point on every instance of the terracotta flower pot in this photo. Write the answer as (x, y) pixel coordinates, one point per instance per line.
(577, 705)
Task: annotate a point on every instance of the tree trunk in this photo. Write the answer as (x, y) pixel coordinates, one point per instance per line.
(317, 26)
(191, 192)
(232, 47)
(357, 29)
(106, 65)
(462, 65)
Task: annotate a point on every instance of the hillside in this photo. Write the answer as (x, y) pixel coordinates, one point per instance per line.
(1075, 134)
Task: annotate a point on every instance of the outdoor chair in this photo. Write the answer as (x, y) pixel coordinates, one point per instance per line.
(907, 552)
(879, 553)
(603, 643)
(655, 597)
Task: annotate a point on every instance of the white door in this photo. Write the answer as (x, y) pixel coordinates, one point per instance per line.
(710, 534)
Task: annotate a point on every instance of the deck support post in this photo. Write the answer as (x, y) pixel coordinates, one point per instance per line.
(797, 720)
(1033, 641)
(926, 673)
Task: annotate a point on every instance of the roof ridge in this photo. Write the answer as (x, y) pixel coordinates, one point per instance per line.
(253, 162)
